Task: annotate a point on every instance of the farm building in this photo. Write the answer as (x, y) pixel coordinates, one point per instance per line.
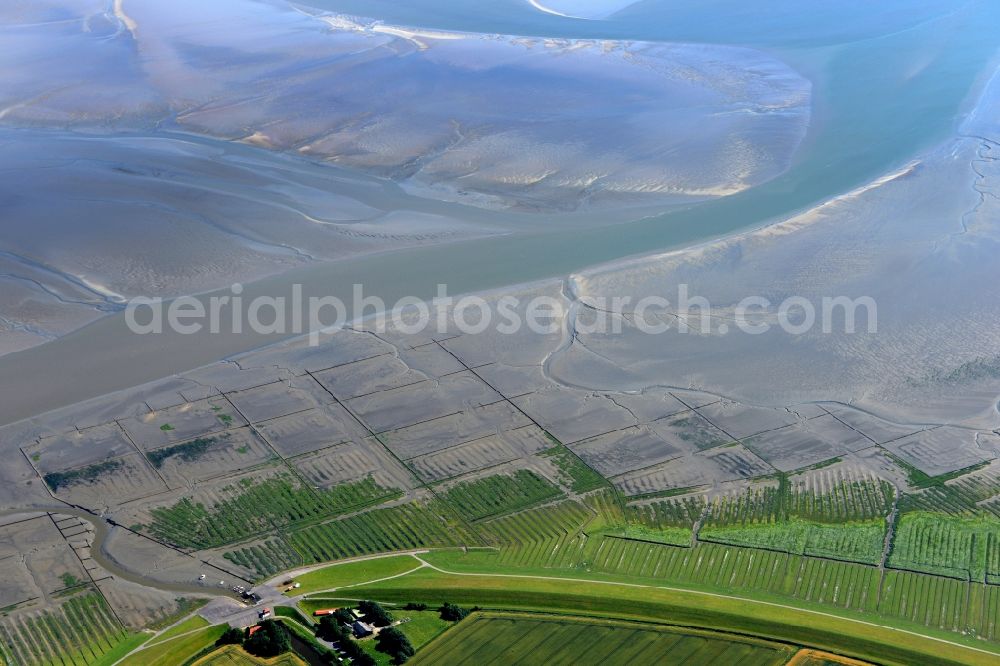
(362, 629)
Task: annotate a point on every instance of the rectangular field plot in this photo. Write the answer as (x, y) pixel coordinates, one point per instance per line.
(940, 450)
(842, 492)
(730, 568)
(416, 403)
(650, 405)
(183, 422)
(300, 355)
(500, 494)
(453, 430)
(78, 448)
(351, 461)
(572, 416)
(82, 630)
(876, 429)
(541, 524)
(964, 548)
(270, 401)
(690, 431)
(504, 638)
(388, 371)
(310, 431)
(35, 560)
(18, 585)
(858, 542)
(226, 377)
(670, 521)
(412, 525)
(457, 460)
(726, 463)
(233, 509)
(626, 450)
(523, 348)
(938, 602)
(740, 420)
(107, 483)
(208, 457)
(513, 381)
(806, 443)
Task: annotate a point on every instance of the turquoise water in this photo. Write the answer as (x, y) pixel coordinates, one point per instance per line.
(890, 79)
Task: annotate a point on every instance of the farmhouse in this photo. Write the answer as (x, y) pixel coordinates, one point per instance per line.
(362, 629)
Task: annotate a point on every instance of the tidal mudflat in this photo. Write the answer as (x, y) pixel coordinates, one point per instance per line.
(920, 242)
(454, 115)
(138, 165)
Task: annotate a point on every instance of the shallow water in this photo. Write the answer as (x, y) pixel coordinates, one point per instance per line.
(889, 81)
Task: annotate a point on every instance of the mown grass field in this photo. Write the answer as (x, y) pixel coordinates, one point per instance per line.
(351, 573)
(505, 638)
(190, 624)
(631, 601)
(177, 650)
(420, 627)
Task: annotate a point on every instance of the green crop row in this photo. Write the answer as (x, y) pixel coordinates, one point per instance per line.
(252, 507)
(856, 542)
(401, 527)
(965, 548)
(90, 473)
(189, 451)
(538, 524)
(575, 474)
(500, 494)
(846, 501)
(504, 639)
(266, 558)
(80, 632)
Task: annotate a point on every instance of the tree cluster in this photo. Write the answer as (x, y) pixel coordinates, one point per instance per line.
(330, 629)
(375, 614)
(231, 636)
(452, 612)
(270, 640)
(394, 643)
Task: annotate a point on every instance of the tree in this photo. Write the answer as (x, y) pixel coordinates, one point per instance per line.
(329, 629)
(270, 640)
(231, 636)
(394, 643)
(415, 606)
(343, 616)
(362, 659)
(354, 652)
(452, 612)
(375, 614)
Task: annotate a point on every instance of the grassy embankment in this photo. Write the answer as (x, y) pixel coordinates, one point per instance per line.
(653, 603)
